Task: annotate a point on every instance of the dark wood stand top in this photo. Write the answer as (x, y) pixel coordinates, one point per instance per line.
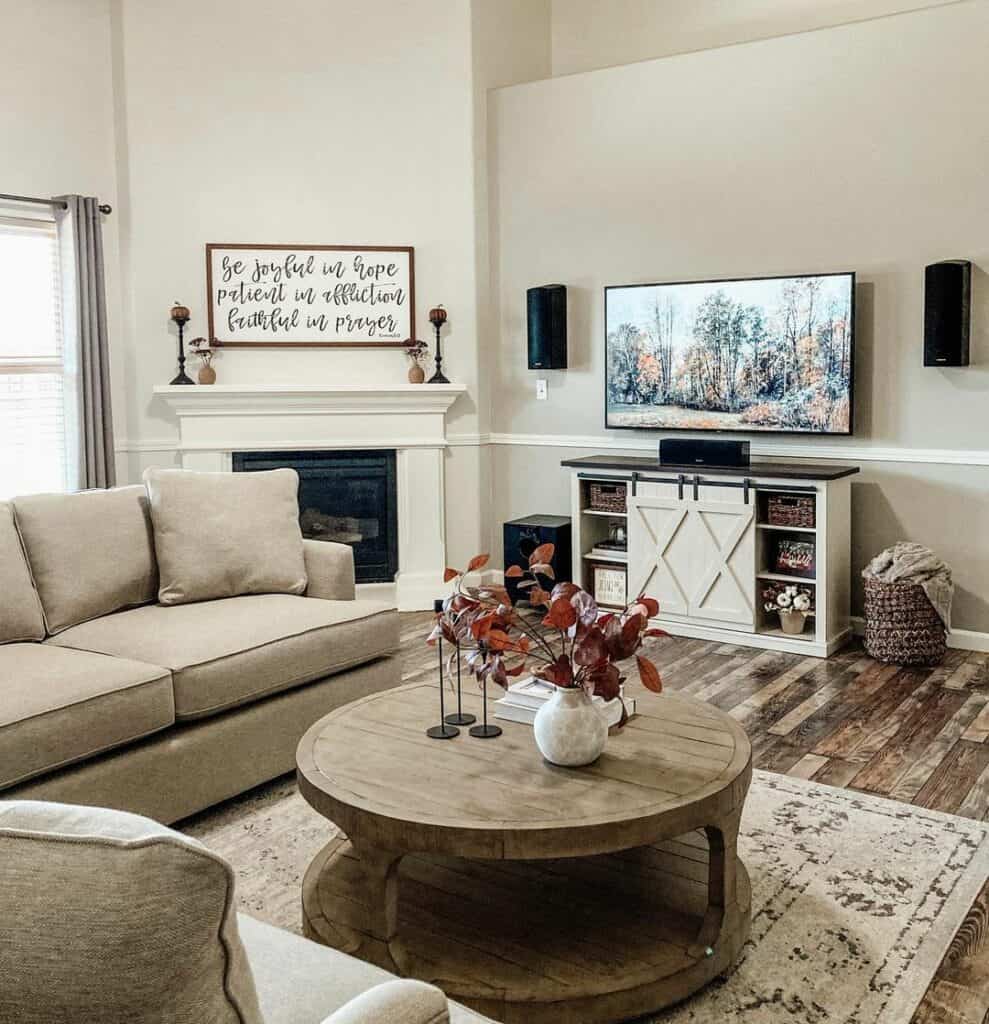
(643, 464)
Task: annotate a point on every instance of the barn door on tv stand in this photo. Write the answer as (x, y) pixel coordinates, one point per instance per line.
(697, 558)
(723, 571)
(659, 551)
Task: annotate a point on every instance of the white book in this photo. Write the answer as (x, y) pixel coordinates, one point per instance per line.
(530, 692)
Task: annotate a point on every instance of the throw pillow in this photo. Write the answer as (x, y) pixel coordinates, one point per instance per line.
(20, 609)
(226, 534)
(90, 552)
(111, 917)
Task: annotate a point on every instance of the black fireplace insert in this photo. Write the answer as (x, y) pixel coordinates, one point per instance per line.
(344, 496)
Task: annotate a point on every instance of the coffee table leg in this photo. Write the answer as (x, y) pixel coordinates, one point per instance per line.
(722, 882)
(381, 871)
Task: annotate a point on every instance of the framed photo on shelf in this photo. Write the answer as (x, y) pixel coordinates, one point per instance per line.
(608, 583)
(795, 557)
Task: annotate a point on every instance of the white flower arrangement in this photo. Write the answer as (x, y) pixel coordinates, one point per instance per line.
(788, 598)
(202, 348)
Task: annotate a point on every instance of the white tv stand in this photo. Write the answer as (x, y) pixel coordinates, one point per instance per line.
(699, 542)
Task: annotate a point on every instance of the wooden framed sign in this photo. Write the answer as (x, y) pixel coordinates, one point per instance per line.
(302, 296)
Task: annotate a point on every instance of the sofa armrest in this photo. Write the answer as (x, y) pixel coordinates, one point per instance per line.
(330, 568)
(394, 1002)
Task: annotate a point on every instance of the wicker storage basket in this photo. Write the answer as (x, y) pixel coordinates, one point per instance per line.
(901, 625)
(607, 497)
(790, 510)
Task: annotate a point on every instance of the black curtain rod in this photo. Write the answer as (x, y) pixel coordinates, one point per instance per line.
(57, 203)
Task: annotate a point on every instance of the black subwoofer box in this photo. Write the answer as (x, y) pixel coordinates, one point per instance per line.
(522, 536)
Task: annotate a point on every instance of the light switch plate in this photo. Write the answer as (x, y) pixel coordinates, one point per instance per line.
(542, 390)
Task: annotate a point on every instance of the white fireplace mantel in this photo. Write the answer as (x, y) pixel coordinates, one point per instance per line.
(217, 420)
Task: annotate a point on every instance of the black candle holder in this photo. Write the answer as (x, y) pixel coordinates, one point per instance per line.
(180, 315)
(443, 731)
(485, 731)
(460, 717)
(437, 317)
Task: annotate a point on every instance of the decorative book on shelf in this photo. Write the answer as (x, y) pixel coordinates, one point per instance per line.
(523, 699)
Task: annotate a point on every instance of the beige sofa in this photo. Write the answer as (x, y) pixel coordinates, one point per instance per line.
(109, 698)
(113, 918)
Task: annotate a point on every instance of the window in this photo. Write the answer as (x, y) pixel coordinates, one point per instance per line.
(32, 370)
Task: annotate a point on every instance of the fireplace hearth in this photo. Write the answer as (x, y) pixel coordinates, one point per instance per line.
(344, 496)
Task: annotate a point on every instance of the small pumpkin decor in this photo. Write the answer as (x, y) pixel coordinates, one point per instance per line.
(562, 637)
(416, 351)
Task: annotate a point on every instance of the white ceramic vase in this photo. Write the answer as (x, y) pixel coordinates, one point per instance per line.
(569, 729)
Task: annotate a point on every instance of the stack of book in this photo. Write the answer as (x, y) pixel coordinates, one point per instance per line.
(523, 699)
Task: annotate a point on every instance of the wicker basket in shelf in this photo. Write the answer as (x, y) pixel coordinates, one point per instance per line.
(606, 497)
(901, 625)
(790, 510)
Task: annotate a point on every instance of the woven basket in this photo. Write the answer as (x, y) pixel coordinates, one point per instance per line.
(901, 625)
(790, 510)
(607, 497)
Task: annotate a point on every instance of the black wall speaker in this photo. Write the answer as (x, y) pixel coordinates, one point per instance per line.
(947, 312)
(691, 451)
(522, 537)
(546, 311)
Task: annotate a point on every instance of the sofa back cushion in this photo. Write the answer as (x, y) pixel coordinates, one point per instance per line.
(20, 610)
(111, 917)
(226, 534)
(91, 553)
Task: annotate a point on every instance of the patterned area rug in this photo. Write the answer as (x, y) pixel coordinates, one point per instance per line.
(854, 899)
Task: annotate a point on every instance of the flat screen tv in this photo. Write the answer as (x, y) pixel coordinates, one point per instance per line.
(768, 354)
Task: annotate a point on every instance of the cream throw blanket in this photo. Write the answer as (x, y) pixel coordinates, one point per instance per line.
(913, 563)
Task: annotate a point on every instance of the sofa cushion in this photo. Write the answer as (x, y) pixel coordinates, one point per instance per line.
(113, 918)
(90, 553)
(226, 534)
(20, 609)
(300, 982)
(58, 706)
(238, 649)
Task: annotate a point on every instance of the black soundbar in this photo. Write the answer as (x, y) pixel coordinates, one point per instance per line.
(690, 451)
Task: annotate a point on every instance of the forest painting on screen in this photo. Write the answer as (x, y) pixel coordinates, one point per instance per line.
(761, 354)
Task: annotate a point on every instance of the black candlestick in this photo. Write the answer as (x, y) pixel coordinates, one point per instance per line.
(485, 731)
(180, 314)
(441, 731)
(460, 718)
(437, 317)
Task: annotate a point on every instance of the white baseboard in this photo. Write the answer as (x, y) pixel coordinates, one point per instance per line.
(959, 639)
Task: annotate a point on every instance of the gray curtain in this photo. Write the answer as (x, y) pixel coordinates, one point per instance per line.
(87, 348)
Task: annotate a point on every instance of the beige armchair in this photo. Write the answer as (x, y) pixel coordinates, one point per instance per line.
(109, 917)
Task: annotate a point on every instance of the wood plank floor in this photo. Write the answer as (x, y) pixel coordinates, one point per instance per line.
(920, 736)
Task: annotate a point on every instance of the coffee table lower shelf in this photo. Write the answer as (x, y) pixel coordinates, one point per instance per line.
(588, 940)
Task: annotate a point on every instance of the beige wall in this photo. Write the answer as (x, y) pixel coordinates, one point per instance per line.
(314, 122)
(56, 121)
(589, 34)
(798, 154)
(296, 122)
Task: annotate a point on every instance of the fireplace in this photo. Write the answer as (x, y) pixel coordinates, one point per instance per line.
(344, 496)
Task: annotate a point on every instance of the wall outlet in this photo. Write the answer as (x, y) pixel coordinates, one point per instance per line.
(542, 390)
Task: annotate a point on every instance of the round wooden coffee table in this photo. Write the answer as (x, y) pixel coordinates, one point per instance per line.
(532, 893)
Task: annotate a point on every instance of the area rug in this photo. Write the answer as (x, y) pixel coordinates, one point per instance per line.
(855, 899)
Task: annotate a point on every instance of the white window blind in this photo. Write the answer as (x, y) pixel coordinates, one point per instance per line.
(32, 369)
